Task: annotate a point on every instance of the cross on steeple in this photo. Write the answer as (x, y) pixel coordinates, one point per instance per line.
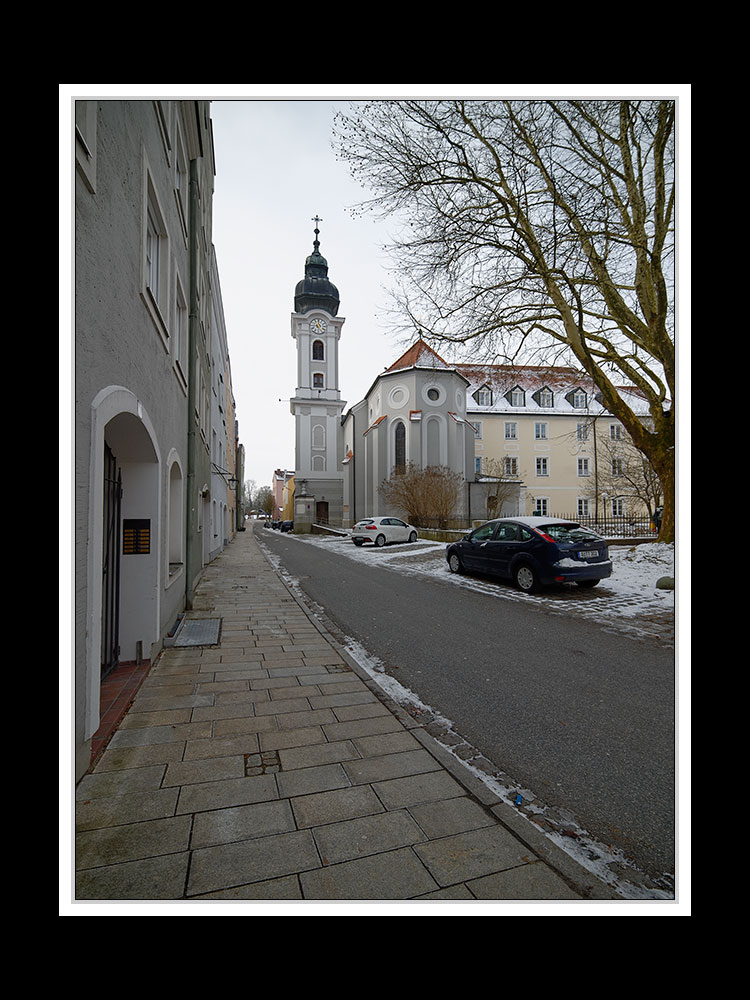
(316, 219)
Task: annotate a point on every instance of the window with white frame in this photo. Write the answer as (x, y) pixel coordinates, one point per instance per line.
(317, 381)
(616, 432)
(545, 397)
(517, 397)
(542, 466)
(540, 431)
(583, 467)
(155, 289)
(582, 432)
(478, 430)
(180, 330)
(617, 467)
(541, 506)
(583, 506)
(618, 507)
(510, 465)
(579, 399)
(511, 431)
(483, 396)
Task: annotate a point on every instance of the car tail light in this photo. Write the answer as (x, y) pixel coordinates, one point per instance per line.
(371, 527)
(546, 537)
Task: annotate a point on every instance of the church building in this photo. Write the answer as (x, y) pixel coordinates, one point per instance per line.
(317, 405)
(414, 412)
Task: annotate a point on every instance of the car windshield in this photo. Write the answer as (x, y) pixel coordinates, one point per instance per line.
(569, 533)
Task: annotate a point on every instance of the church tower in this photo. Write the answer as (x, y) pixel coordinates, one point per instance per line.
(317, 405)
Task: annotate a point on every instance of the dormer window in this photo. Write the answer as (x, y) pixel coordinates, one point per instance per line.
(577, 398)
(318, 350)
(483, 396)
(543, 397)
(516, 396)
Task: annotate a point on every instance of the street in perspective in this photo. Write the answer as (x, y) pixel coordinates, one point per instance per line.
(562, 701)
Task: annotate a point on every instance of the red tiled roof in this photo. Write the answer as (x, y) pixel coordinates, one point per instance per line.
(420, 353)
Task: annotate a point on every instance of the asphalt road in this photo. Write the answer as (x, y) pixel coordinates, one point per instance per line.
(580, 716)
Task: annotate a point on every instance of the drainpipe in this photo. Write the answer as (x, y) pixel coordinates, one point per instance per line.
(191, 521)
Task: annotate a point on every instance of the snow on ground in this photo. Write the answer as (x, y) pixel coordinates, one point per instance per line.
(628, 601)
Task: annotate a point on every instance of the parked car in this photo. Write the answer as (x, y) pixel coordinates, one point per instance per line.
(533, 551)
(381, 530)
(287, 526)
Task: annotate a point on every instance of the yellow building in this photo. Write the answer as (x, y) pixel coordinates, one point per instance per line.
(545, 428)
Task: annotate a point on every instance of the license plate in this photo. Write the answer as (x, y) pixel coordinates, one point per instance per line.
(590, 554)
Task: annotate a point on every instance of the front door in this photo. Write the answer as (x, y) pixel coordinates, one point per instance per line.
(110, 653)
(321, 512)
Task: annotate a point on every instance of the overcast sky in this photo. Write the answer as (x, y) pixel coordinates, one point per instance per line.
(275, 171)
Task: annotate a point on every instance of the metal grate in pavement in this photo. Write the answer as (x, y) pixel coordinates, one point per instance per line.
(198, 632)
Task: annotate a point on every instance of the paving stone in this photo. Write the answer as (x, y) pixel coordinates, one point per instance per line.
(312, 779)
(357, 838)
(306, 736)
(191, 772)
(335, 806)
(311, 756)
(279, 889)
(160, 734)
(249, 861)
(395, 765)
(409, 791)
(232, 792)
(112, 845)
(150, 878)
(226, 746)
(362, 727)
(120, 759)
(397, 742)
(223, 826)
(117, 810)
(395, 875)
(471, 855)
(106, 783)
(530, 881)
(449, 816)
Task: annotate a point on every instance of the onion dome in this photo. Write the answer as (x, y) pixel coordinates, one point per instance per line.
(315, 291)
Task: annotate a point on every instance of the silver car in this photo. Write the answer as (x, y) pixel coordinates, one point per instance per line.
(382, 530)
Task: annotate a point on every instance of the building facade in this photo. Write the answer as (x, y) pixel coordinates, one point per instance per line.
(546, 429)
(146, 301)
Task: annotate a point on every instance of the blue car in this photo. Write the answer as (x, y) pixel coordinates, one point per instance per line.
(533, 551)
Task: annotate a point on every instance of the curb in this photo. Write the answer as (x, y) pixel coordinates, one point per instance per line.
(575, 875)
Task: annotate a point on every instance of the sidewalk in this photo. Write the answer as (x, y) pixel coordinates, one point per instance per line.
(269, 766)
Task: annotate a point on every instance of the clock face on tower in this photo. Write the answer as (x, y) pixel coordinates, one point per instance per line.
(318, 325)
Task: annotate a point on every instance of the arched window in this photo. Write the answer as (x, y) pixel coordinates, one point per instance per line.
(400, 448)
(318, 350)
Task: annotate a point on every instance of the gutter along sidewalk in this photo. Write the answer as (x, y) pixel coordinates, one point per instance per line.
(270, 766)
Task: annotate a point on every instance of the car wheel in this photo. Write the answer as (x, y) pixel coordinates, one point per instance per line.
(454, 563)
(357, 541)
(413, 536)
(525, 578)
(587, 583)
(380, 541)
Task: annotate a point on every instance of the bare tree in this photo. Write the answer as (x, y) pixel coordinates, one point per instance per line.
(530, 226)
(504, 487)
(425, 496)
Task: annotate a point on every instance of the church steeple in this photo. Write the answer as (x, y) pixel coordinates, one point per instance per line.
(315, 290)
